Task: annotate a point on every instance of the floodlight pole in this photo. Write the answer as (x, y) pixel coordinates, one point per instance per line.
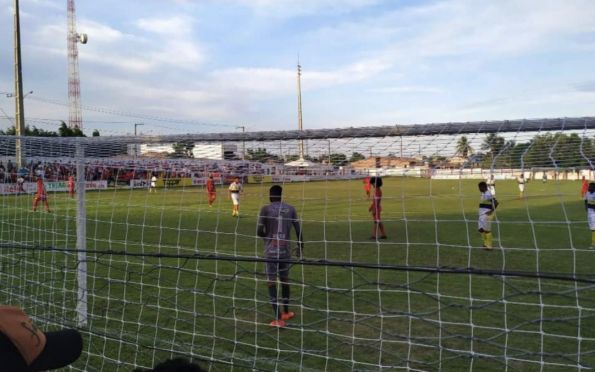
(243, 128)
(18, 87)
(136, 125)
(299, 91)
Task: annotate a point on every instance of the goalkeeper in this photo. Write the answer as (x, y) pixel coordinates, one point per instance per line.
(274, 225)
(590, 206)
(487, 206)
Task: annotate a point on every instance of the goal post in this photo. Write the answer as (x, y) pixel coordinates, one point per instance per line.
(149, 263)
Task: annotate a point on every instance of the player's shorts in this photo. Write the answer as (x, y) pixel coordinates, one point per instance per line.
(485, 222)
(591, 217)
(235, 198)
(41, 197)
(521, 187)
(277, 269)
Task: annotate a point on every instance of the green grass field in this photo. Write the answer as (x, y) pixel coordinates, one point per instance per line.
(144, 309)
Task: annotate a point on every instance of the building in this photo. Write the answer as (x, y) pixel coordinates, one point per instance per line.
(214, 151)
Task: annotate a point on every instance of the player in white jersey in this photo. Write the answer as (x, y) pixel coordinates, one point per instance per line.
(590, 207)
(235, 189)
(153, 185)
(487, 206)
(521, 182)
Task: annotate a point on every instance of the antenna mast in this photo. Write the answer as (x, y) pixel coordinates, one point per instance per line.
(75, 119)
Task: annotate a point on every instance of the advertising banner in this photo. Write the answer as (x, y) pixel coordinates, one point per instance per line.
(173, 182)
(60, 186)
(260, 179)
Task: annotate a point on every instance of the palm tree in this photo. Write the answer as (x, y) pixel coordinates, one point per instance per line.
(463, 147)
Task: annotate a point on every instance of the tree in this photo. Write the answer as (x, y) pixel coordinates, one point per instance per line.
(260, 154)
(464, 148)
(95, 133)
(65, 131)
(35, 132)
(356, 156)
(338, 159)
(493, 143)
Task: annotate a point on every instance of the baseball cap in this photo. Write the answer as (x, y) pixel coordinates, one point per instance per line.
(24, 347)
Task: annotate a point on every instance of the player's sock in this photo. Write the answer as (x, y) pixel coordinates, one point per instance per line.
(274, 303)
(382, 233)
(593, 239)
(488, 239)
(483, 238)
(285, 296)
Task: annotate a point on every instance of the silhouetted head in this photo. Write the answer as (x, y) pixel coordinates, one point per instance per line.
(275, 193)
(592, 187)
(483, 187)
(376, 182)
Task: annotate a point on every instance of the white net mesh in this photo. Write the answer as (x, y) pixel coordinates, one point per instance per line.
(167, 275)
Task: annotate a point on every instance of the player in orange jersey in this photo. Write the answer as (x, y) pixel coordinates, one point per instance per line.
(41, 195)
(211, 191)
(71, 186)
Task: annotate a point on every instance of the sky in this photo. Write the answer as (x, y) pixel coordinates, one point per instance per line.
(188, 66)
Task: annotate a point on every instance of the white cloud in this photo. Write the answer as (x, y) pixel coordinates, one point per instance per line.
(293, 8)
(177, 26)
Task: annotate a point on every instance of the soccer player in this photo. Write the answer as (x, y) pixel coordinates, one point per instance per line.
(153, 186)
(274, 225)
(584, 187)
(375, 208)
(521, 182)
(590, 207)
(491, 182)
(367, 186)
(41, 195)
(487, 206)
(20, 184)
(71, 186)
(235, 189)
(211, 191)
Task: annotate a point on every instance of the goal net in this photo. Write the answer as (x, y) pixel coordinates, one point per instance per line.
(131, 253)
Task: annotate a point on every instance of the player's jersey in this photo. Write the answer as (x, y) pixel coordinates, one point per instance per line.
(210, 185)
(521, 180)
(235, 187)
(590, 202)
(486, 203)
(71, 182)
(278, 218)
(585, 187)
(40, 188)
(491, 182)
(367, 184)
